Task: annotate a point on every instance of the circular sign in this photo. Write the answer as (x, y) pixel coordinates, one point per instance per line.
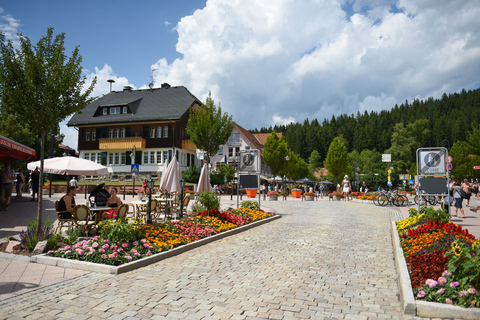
(449, 166)
(449, 158)
(432, 159)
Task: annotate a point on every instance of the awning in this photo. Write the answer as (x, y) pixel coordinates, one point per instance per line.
(11, 150)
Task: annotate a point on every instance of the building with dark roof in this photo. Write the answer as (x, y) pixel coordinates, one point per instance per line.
(149, 124)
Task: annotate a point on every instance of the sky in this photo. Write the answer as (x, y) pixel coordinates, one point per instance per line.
(267, 62)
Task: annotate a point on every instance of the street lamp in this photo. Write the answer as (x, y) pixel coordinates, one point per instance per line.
(59, 138)
(182, 184)
(285, 159)
(150, 185)
(132, 156)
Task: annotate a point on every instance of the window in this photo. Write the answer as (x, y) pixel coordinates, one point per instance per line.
(152, 132)
(230, 152)
(117, 158)
(145, 157)
(115, 110)
(94, 134)
(93, 157)
(123, 158)
(152, 157)
(125, 110)
(122, 133)
(159, 132)
(110, 158)
(87, 156)
(87, 135)
(117, 133)
(237, 138)
(159, 156)
(165, 156)
(237, 151)
(110, 133)
(220, 151)
(105, 111)
(165, 131)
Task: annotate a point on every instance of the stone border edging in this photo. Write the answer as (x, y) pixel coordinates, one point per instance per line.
(425, 309)
(107, 269)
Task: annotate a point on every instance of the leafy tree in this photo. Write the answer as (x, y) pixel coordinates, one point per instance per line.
(336, 161)
(315, 161)
(473, 139)
(274, 153)
(228, 172)
(41, 86)
(462, 162)
(217, 178)
(208, 128)
(297, 168)
(192, 174)
(402, 148)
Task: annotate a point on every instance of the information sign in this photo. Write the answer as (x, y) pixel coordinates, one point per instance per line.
(432, 162)
(135, 168)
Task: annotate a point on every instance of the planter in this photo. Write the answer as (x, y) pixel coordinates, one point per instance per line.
(309, 198)
(192, 196)
(45, 191)
(297, 193)
(338, 198)
(272, 198)
(251, 193)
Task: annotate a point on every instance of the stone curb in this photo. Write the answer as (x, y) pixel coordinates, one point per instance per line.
(423, 308)
(106, 269)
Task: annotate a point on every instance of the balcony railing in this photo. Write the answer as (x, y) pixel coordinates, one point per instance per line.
(123, 143)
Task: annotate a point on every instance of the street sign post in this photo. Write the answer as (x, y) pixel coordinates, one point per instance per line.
(476, 167)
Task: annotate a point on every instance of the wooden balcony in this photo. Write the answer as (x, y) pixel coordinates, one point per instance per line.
(125, 143)
(188, 144)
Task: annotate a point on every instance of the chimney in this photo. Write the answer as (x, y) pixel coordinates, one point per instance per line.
(111, 82)
(127, 88)
(165, 85)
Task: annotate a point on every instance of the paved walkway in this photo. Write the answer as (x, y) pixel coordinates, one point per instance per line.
(322, 260)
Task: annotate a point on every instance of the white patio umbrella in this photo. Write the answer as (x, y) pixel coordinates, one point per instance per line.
(69, 166)
(172, 177)
(204, 180)
(163, 180)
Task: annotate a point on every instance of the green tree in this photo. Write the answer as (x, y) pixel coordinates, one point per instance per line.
(228, 171)
(473, 139)
(462, 162)
(314, 161)
(402, 149)
(208, 128)
(336, 161)
(297, 168)
(274, 153)
(41, 86)
(192, 174)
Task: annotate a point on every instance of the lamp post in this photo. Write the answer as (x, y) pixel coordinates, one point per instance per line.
(182, 184)
(59, 138)
(285, 173)
(132, 156)
(150, 184)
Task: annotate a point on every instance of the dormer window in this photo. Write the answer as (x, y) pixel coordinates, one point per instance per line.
(115, 110)
(105, 111)
(125, 109)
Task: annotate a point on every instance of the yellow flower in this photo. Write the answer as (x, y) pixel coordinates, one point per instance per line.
(454, 245)
(457, 250)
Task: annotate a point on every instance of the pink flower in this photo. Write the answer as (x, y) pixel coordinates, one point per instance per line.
(454, 284)
(431, 283)
(105, 246)
(446, 273)
(129, 258)
(137, 254)
(80, 252)
(125, 245)
(421, 294)
(440, 291)
(149, 253)
(146, 245)
(119, 250)
(104, 256)
(135, 243)
(442, 280)
(95, 245)
(105, 241)
(472, 291)
(448, 301)
(101, 250)
(96, 238)
(463, 293)
(114, 247)
(113, 255)
(471, 304)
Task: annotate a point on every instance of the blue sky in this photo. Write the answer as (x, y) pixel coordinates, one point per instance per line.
(268, 62)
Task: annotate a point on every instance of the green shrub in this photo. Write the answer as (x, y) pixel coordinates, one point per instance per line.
(209, 200)
(33, 235)
(121, 230)
(250, 204)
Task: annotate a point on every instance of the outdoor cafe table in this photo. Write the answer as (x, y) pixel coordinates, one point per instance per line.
(98, 212)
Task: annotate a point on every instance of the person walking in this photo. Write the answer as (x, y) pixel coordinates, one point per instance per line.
(20, 183)
(457, 196)
(6, 185)
(346, 187)
(467, 189)
(73, 182)
(322, 190)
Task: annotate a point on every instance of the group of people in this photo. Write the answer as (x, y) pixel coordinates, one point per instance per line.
(461, 191)
(8, 178)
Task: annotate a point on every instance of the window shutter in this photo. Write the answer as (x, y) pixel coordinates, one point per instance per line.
(104, 133)
(128, 160)
(98, 133)
(145, 132)
(104, 158)
(128, 132)
(138, 157)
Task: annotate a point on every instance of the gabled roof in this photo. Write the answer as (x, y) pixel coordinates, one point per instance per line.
(262, 137)
(158, 104)
(251, 138)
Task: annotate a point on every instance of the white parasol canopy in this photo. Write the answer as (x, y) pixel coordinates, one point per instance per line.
(204, 181)
(172, 177)
(164, 174)
(70, 166)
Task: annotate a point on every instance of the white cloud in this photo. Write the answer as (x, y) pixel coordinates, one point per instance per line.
(9, 26)
(282, 121)
(311, 59)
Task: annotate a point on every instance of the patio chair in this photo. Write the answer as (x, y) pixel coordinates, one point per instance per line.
(122, 211)
(142, 210)
(62, 221)
(186, 201)
(81, 215)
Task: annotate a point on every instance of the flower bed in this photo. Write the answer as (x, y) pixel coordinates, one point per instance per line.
(442, 258)
(127, 240)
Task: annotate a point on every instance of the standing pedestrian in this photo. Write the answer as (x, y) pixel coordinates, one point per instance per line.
(322, 190)
(20, 183)
(457, 196)
(6, 186)
(346, 187)
(467, 189)
(35, 179)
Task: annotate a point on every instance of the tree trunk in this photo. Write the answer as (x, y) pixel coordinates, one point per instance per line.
(40, 181)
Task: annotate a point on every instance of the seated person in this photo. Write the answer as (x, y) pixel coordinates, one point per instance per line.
(113, 202)
(67, 202)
